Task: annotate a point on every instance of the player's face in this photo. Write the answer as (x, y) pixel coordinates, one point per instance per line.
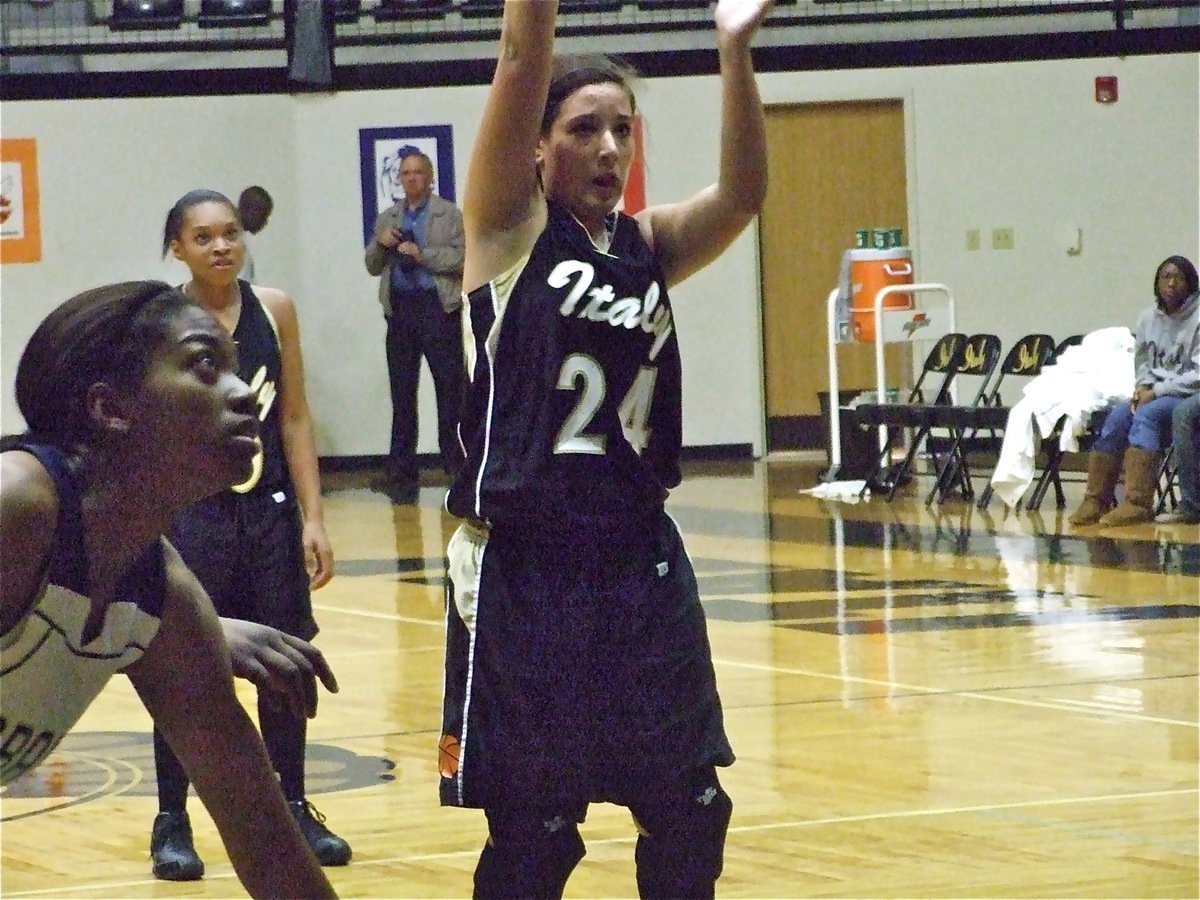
(192, 413)
(585, 157)
(210, 243)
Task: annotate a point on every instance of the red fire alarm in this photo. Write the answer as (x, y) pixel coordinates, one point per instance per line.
(1106, 88)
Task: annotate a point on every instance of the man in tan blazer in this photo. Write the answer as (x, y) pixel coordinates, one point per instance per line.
(417, 250)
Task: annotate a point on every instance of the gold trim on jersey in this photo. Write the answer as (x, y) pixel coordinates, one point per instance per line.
(501, 288)
(264, 394)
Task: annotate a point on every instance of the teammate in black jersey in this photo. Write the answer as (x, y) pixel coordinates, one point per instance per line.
(259, 547)
(134, 411)
(578, 668)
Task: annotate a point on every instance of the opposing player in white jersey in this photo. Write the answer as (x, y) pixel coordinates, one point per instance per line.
(135, 411)
(578, 667)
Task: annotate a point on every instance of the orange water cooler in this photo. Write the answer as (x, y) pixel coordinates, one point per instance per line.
(870, 272)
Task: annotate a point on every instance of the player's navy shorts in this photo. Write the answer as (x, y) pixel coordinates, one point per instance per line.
(578, 667)
(248, 552)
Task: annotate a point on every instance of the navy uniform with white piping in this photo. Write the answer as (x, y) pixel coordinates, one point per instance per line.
(578, 667)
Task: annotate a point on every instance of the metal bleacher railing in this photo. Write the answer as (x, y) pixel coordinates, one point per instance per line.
(130, 34)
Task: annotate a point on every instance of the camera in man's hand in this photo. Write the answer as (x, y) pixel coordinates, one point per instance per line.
(406, 262)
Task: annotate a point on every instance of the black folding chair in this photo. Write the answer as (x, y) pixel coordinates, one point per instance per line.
(1048, 444)
(966, 422)
(988, 413)
(1073, 341)
(944, 361)
(1051, 468)
(1168, 483)
(980, 358)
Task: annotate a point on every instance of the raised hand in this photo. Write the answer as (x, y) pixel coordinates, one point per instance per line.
(739, 19)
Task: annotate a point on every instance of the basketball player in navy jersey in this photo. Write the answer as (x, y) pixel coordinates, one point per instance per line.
(578, 667)
(259, 547)
(134, 410)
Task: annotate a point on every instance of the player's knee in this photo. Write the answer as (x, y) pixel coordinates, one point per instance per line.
(681, 847)
(527, 856)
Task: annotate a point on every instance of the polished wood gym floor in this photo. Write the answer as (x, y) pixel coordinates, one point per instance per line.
(924, 703)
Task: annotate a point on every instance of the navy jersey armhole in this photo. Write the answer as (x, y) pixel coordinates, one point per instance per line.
(68, 562)
(145, 581)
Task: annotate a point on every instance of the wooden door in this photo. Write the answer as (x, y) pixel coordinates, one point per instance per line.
(834, 168)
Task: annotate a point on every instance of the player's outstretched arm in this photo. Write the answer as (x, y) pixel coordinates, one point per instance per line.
(503, 209)
(689, 235)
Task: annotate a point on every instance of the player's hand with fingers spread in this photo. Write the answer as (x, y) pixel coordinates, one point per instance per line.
(739, 19)
(284, 668)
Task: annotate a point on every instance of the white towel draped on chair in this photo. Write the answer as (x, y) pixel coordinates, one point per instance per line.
(1087, 377)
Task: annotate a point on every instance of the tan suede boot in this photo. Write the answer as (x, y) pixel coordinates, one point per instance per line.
(1141, 478)
(1103, 469)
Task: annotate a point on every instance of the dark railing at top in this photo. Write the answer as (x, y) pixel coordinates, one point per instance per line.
(452, 38)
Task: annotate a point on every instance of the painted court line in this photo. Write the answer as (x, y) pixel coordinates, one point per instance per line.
(737, 829)
(1056, 705)
(387, 617)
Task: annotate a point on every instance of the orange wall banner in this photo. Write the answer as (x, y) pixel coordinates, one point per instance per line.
(20, 210)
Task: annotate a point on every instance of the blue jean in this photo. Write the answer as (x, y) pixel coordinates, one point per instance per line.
(1147, 428)
(1185, 433)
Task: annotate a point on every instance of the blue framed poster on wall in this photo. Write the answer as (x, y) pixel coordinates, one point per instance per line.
(381, 151)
